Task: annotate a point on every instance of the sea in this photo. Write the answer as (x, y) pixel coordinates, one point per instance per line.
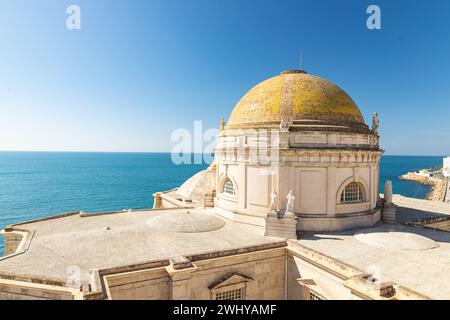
(39, 184)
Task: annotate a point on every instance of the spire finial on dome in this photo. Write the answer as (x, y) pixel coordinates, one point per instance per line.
(294, 71)
(301, 59)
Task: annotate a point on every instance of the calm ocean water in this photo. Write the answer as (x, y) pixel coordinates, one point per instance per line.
(38, 184)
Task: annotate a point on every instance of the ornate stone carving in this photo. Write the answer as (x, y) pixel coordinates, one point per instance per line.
(375, 124)
(310, 157)
(222, 124)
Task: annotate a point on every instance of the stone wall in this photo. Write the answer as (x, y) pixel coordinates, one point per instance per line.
(263, 270)
(311, 271)
(152, 284)
(294, 272)
(304, 277)
(18, 290)
(12, 242)
(266, 268)
(316, 175)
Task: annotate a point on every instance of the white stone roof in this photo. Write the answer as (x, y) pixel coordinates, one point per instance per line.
(126, 238)
(415, 257)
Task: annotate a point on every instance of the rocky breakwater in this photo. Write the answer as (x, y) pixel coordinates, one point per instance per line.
(439, 186)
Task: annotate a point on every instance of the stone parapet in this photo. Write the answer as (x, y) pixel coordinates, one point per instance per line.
(282, 227)
(362, 285)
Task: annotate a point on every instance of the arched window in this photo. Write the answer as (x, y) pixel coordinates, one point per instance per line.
(228, 187)
(352, 192)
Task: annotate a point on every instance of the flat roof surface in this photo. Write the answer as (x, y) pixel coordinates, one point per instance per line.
(415, 257)
(412, 256)
(133, 238)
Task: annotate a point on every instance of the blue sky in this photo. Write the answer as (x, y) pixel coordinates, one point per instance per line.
(137, 70)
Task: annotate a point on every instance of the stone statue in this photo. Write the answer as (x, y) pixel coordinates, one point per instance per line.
(290, 203)
(375, 123)
(279, 225)
(273, 201)
(222, 124)
(388, 192)
(286, 123)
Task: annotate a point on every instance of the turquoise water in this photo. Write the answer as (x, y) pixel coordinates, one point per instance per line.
(38, 184)
(392, 167)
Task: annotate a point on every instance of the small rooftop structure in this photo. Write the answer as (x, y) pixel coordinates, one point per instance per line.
(446, 167)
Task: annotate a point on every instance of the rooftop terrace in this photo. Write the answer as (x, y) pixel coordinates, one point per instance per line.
(126, 238)
(415, 257)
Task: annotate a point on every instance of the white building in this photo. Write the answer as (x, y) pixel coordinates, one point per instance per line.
(294, 141)
(424, 173)
(446, 167)
(324, 153)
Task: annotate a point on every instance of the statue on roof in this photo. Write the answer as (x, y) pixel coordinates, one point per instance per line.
(286, 123)
(290, 204)
(375, 123)
(273, 201)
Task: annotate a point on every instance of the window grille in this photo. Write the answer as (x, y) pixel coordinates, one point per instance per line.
(315, 296)
(228, 187)
(352, 193)
(237, 294)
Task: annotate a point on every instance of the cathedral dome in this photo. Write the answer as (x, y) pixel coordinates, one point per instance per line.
(309, 101)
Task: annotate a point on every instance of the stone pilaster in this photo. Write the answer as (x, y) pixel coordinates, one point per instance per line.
(157, 202)
(179, 271)
(208, 200)
(12, 241)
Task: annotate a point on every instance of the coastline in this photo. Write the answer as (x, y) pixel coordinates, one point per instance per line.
(439, 186)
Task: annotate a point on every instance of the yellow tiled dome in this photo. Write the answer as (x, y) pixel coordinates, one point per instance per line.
(308, 100)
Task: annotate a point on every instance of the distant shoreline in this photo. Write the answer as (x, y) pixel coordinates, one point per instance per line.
(439, 186)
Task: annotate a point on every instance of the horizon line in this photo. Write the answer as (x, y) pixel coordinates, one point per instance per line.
(118, 151)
